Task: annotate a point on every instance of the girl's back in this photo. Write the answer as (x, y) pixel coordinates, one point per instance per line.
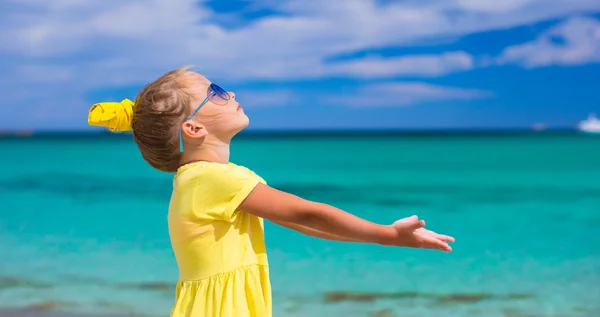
(220, 251)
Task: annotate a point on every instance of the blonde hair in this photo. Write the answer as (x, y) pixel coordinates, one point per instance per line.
(160, 109)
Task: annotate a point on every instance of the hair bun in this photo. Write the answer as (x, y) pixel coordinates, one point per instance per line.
(117, 116)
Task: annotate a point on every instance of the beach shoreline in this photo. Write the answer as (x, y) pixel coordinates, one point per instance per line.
(52, 313)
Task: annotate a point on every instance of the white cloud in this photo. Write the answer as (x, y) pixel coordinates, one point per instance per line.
(68, 48)
(156, 35)
(494, 6)
(394, 94)
(573, 42)
(417, 65)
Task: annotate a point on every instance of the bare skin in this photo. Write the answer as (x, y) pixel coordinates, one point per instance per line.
(207, 137)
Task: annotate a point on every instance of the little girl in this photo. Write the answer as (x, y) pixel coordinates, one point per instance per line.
(183, 124)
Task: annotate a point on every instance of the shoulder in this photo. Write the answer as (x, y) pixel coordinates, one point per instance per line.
(214, 189)
(205, 168)
(212, 172)
(247, 171)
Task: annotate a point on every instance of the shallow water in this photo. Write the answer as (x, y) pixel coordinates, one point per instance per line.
(83, 225)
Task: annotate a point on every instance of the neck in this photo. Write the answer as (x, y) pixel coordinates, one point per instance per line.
(211, 150)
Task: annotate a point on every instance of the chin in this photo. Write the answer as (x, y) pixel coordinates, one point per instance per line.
(245, 121)
(242, 124)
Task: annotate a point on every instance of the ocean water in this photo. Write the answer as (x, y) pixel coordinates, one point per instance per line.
(83, 225)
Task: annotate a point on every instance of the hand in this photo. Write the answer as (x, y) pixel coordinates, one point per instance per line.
(412, 234)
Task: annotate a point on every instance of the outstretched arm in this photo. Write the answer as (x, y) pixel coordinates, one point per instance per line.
(277, 206)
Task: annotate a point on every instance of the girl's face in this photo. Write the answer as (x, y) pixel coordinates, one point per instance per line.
(219, 112)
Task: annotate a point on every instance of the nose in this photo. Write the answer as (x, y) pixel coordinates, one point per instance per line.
(232, 94)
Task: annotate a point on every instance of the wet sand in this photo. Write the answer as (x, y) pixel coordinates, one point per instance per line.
(45, 313)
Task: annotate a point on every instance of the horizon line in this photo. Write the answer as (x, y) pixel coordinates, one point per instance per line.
(291, 132)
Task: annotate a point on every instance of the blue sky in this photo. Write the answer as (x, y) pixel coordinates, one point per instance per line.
(310, 64)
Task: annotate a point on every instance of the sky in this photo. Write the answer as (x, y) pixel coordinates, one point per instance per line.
(310, 64)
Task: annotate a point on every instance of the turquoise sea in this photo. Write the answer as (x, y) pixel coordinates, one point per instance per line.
(83, 224)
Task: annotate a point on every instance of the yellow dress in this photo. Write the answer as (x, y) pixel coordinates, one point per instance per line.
(220, 251)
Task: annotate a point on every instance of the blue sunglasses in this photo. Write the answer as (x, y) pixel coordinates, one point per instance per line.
(216, 95)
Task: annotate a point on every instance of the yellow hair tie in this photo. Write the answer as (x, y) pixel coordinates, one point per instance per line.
(117, 116)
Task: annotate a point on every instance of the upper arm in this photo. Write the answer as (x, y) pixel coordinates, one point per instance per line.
(277, 206)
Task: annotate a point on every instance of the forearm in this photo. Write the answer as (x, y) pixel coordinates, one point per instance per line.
(316, 233)
(336, 222)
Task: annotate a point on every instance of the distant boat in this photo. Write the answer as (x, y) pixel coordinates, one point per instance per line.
(538, 127)
(591, 125)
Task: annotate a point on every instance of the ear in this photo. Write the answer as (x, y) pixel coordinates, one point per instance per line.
(193, 130)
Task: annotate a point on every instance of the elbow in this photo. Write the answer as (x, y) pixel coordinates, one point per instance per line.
(308, 216)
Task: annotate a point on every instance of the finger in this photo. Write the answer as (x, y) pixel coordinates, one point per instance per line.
(433, 243)
(409, 226)
(416, 224)
(429, 233)
(446, 238)
(407, 219)
(442, 237)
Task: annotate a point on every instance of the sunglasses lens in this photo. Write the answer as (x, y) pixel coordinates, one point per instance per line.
(217, 95)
